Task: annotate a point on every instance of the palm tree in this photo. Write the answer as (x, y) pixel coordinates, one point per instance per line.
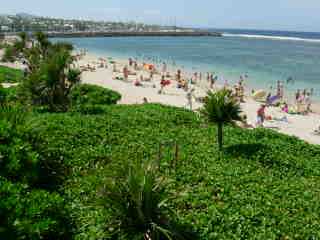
(138, 200)
(43, 44)
(52, 82)
(221, 108)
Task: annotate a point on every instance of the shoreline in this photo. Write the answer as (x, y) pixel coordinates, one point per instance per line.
(136, 34)
(301, 126)
(188, 70)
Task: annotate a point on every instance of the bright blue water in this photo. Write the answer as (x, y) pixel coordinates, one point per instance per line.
(264, 60)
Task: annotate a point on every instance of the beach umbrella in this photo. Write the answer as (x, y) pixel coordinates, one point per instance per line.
(259, 94)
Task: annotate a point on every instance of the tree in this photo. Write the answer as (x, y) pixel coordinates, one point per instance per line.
(221, 108)
(50, 84)
(49, 74)
(13, 52)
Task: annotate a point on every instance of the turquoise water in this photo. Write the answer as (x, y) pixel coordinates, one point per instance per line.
(264, 60)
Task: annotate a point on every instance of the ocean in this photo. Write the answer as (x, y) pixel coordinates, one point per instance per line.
(264, 56)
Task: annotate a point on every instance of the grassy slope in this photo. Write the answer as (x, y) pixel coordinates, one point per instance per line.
(265, 185)
(10, 75)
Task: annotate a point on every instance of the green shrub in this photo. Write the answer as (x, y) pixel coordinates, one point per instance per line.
(89, 109)
(18, 159)
(12, 94)
(10, 75)
(31, 214)
(8, 95)
(86, 94)
(3, 95)
(264, 185)
(9, 54)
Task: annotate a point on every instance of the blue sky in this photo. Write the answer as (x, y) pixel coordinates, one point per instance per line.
(300, 15)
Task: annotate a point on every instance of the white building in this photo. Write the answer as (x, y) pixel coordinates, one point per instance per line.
(4, 28)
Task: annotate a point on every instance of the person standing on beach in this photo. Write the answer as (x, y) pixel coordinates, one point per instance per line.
(189, 98)
(194, 78)
(212, 81)
(261, 115)
(125, 73)
(307, 101)
(281, 91)
(241, 91)
(297, 96)
(151, 74)
(162, 84)
(164, 68)
(178, 75)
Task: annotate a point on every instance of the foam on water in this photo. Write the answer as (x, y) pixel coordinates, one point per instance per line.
(283, 38)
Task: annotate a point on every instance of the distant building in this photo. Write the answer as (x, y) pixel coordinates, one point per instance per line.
(4, 28)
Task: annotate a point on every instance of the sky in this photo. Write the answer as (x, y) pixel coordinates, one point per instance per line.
(294, 15)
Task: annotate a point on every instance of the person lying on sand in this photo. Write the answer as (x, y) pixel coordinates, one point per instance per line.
(317, 131)
(137, 83)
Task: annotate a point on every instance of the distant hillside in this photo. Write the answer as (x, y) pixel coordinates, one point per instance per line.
(30, 23)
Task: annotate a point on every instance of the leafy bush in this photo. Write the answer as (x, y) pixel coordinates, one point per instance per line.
(10, 75)
(86, 94)
(9, 54)
(31, 214)
(8, 95)
(18, 160)
(89, 109)
(264, 186)
(3, 95)
(26, 212)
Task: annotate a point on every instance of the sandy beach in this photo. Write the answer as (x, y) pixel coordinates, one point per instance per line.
(301, 126)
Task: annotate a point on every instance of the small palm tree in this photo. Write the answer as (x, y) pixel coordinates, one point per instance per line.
(221, 108)
(139, 202)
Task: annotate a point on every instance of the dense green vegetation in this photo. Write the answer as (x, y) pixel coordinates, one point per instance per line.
(8, 95)
(10, 75)
(263, 185)
(90, 99)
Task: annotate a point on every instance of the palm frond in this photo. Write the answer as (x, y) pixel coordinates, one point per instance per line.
(221, 107)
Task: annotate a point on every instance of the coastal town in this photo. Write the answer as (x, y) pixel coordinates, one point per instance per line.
(30, 23)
